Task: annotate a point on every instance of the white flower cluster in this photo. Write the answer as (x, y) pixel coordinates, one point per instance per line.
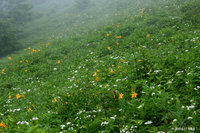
(22, 123)
(197, 88)
(127, 129)
(14, 110)
(34, 118)
(188, 107)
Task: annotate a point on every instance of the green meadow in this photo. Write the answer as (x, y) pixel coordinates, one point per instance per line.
(119, 66)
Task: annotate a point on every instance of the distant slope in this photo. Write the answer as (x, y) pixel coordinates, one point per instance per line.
(135, 72)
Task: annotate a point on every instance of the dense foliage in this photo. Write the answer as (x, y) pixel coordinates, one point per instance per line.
(136, 71)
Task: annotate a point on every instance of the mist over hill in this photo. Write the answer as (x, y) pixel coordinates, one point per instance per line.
(95, 66)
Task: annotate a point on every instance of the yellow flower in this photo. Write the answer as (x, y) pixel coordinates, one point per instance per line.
(66, 102)
(117, 44)
(20, 61)
(9, 97)
(95, 74)
(59, 62)
(29, 109)
(97, 79)
(134, 95)
(26, 71)
(123, 61)
(118, 67)
(119, 37)
(121, 96)
(139, 60)
(10, 58)
(3, 71)
(111, 71)
(29, 48)
(48, 43)
(98, 70)
(108, 35)
(2, 125)
(148, 35)
(26, 61)
(55, 100)
(18, 96)
(116, 14)
(108, 48)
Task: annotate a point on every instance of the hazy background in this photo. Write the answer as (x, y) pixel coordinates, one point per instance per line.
(28, 22)
(25, 23)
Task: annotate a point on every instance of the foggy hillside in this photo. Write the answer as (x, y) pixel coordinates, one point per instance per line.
(99, 66)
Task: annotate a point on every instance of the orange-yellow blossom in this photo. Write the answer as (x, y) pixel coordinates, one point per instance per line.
(97, 79)
(134, 95)
(29, 109)
(3, 71)
(95, 74)
(121, 96)
(2, 125)
(111, 71)
(119, 37)
(18, 96)
(55, 100)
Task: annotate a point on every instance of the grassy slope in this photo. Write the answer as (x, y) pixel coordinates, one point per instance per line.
(166, 79)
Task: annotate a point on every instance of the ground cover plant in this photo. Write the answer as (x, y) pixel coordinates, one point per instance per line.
(138, 72)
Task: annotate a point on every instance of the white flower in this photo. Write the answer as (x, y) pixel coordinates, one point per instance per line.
(55, 69)
(153, 93)
(68, 123)
(157, 71)
(27, 123)
(189, 118)
(34, 118)
(62, 126)
(190, 107)
(94, 111)
(140, 106)
(148, 122)
(104, 123)
(113, 118)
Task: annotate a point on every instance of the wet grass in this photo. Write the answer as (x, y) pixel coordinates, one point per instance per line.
(140, 73)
